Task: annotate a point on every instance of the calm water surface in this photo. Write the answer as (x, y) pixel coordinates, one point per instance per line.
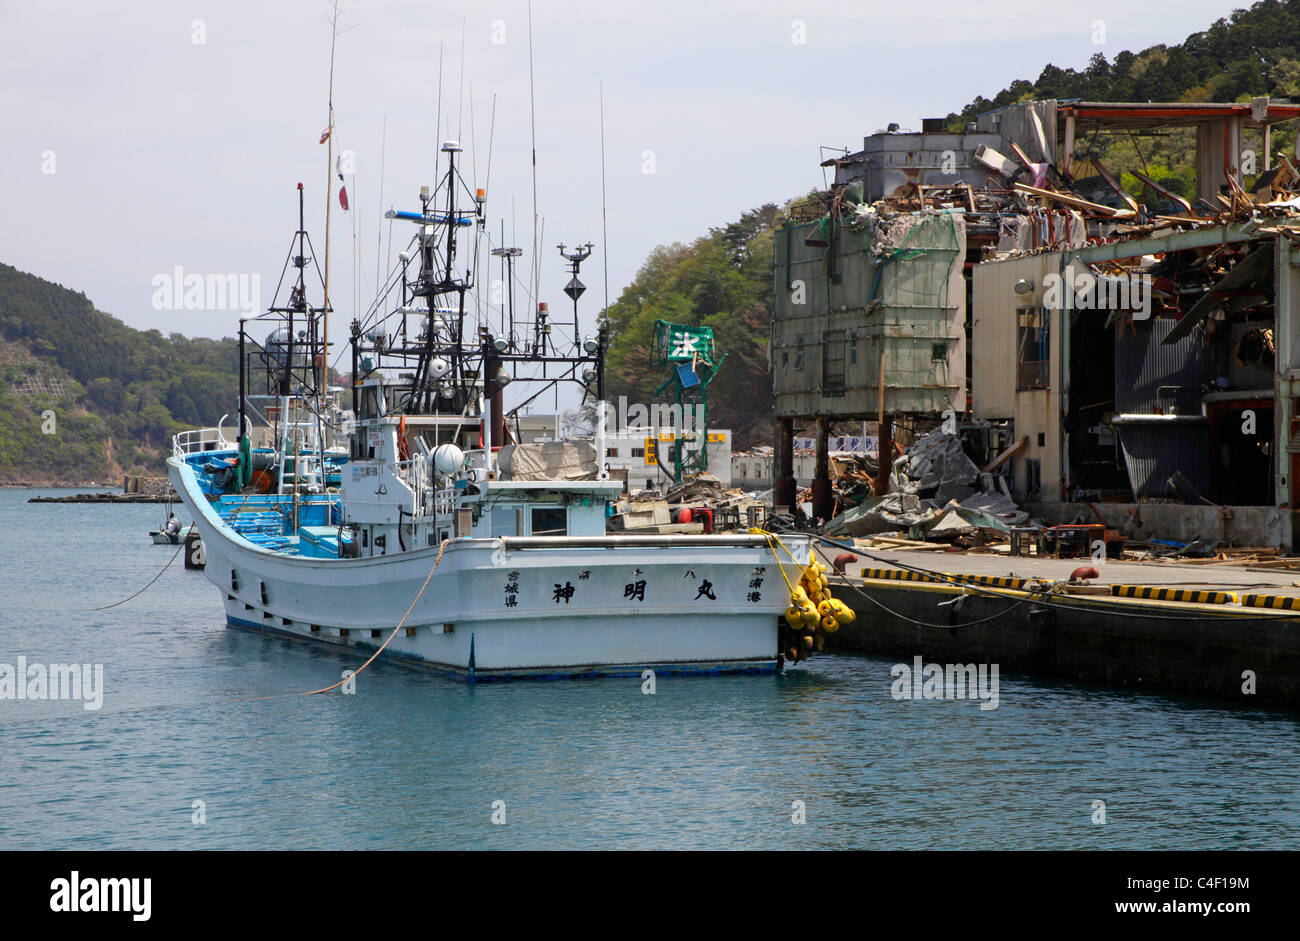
(413, 761)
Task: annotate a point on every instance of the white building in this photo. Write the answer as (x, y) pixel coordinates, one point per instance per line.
(641, 451)
(752, 470)
(635, 450)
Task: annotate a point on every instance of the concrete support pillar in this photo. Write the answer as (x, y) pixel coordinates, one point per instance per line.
(783, 464)
(1066, 159)
(823, 497)
(1218, 156)
(884, 456)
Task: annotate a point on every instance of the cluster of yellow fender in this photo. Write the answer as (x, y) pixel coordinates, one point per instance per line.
(813, 613)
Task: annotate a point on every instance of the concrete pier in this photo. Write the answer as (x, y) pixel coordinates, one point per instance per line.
(1232, 651)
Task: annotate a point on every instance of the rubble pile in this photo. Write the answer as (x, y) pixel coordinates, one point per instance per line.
(936, 494)
(851, 477)
(698, 504)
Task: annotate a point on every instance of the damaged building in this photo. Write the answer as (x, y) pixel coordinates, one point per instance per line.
(1149, 371)
(872, 291)
(1129, 357)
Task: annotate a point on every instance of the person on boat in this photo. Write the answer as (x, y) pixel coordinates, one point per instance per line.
(173, 528)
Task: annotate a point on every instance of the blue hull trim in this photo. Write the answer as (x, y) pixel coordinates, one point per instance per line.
(473, 675)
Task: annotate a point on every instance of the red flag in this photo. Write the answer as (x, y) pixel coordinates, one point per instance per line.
(325, 134)
(343, 196)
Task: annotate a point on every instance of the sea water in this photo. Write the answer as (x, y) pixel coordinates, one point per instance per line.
(182, 754)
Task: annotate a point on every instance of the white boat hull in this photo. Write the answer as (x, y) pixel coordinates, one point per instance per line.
(498, 608)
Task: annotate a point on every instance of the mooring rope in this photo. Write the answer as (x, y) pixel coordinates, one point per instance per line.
(178, 551)
(217, 702)
(903, 617)
(400, 625)
(772, 542)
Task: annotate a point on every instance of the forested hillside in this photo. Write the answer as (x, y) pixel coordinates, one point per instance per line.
(117, 394)
(1254, 51)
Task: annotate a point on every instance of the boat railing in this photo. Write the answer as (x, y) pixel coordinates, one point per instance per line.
(444, 500)
(414, 472)
(197, 440)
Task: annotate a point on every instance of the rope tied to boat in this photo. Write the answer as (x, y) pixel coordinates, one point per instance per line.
(772, 538)
(400, 624)
(179, 550)
(814, 612)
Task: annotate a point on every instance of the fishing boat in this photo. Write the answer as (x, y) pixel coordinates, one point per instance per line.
(410, 521)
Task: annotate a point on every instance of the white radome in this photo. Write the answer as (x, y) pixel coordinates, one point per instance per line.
(447, 460)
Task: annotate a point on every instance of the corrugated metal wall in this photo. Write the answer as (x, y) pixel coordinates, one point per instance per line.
(1145, 366)
(1153, 452)
(1155, 378)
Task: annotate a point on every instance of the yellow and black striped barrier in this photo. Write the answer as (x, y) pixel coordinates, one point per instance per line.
(902, 575)
(899, 575)
(1188, 595)
(1282, 602)
(992, 581)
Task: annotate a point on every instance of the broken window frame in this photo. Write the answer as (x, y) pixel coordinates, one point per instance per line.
(1033, 338)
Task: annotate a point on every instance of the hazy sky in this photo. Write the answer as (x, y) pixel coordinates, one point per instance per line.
(177, 131)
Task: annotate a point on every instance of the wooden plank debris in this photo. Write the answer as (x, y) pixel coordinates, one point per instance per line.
(1075, 201)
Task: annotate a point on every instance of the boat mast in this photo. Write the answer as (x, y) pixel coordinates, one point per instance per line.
(329, 184)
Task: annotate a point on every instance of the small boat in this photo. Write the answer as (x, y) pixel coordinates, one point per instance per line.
(163, 538)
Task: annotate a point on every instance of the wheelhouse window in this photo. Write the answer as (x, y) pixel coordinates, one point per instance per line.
(503, 522)
(550, 521)
(368, 407)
